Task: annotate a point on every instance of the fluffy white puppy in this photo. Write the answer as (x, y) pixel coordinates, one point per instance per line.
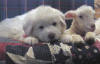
(42, 24)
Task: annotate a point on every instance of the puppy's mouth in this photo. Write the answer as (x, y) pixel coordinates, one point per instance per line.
(53, 41)
(92, 29)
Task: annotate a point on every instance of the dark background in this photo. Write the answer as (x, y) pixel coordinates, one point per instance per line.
(11, 8)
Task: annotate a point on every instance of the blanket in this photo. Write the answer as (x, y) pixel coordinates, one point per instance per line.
(15, 52)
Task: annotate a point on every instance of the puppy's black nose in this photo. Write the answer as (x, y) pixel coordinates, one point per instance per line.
(93, 26)
(51, 36)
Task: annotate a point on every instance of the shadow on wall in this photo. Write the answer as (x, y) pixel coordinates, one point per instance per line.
(11, 8)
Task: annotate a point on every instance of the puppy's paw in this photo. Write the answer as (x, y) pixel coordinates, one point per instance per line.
(77, 39)
(90, 38)
(30, 40)
(66, 38)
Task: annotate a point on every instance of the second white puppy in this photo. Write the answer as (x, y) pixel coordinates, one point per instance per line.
(43, 24)
(82, 26)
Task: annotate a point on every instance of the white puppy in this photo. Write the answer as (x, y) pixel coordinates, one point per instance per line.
(43, 24)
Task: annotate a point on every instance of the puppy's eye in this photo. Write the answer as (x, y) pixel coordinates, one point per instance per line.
(54, 24)
(41, 27)
(81, 16)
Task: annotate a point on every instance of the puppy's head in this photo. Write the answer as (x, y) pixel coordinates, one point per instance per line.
(45, 23)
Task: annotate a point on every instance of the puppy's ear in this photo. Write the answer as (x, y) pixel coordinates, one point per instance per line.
(63, 23)
(70, 14)
(27, 27)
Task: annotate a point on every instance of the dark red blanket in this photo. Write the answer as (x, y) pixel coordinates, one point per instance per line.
(5, 42)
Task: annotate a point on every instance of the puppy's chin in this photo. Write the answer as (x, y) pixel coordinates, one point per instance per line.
(54, 41)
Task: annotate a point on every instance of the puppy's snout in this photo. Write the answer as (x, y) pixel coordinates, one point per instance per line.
(93, 26)
(51, 36)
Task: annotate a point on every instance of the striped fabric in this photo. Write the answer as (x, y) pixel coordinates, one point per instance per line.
(85, 54)
(40, 54)
(5, 42)
(11, 8)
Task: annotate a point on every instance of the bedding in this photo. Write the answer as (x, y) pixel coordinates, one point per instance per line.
(12, 51)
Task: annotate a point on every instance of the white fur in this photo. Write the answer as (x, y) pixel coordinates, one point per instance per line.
(83, 19)
(97, 23)
(30, 21)
(97, 30)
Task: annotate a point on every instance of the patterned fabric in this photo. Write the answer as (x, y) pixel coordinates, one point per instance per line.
(39, 54)
(85, 53)
(5, 42)
(47, 53)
